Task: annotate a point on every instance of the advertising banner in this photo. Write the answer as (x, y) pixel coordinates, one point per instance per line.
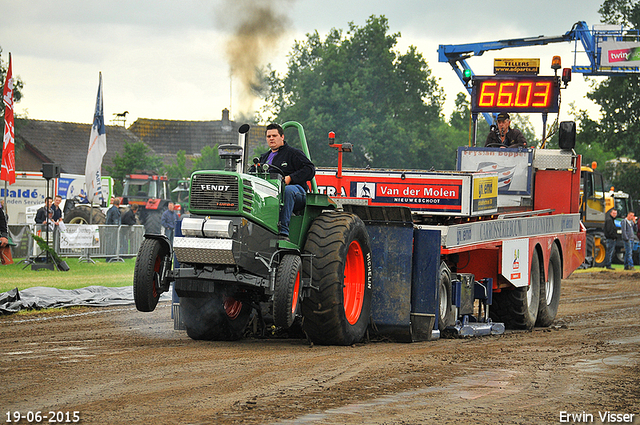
(79, 236)
(620, 53)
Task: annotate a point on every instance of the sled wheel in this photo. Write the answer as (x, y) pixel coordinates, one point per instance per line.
(338, 311)
(287, 291)
(518, 308)
(217, 318)
(550, 290)
(146, 275)
(445, 304)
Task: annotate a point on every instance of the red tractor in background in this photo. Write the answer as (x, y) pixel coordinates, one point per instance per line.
(151, 193)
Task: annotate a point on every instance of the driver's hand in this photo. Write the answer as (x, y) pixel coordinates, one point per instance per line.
(287, 180)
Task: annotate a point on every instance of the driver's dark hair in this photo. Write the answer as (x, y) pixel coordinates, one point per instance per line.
(274, 126)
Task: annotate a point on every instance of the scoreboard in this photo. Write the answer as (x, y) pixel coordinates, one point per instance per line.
(515, 94)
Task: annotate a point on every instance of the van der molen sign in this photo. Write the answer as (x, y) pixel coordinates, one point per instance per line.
(516, 66)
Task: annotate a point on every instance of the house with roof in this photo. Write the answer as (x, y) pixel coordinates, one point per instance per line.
(63, 143)
(167, 137)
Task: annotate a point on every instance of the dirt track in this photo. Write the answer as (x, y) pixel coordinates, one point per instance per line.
(118, 365)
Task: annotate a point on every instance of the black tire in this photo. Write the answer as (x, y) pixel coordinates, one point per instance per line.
(146, 275)
(618, 256)
(80, 215)
(550, 290)
(518, 308)
(153, 222)
(599, 250)
(287, 291)
(446, 311)
(338, 312)
(589, 253)
(214, 318)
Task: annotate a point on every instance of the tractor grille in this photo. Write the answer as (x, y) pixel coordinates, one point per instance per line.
(214, 192)
(247, 196)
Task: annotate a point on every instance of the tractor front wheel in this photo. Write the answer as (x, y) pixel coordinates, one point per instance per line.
(338, 309)
(147, 277)
(287, 291)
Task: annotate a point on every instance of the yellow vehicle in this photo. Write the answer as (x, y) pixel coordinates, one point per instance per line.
(594, 203)
(592, 213)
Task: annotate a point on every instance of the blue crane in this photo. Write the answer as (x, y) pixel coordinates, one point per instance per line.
(592, 39)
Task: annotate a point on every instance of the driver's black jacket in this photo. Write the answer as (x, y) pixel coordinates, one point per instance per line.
(293, 162)
(514, 139)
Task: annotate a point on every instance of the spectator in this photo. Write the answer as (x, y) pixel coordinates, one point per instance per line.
(4, 230)
(628, 234)
(113, 213)
(41, 214)
(611, 233)
(57, 211)
(129, 217)
(169, 218)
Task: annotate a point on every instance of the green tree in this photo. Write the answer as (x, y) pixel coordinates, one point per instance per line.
(135, 157)
(625, 177)
(208, 159)
(178, 168)
(385, 102)
(619, 96)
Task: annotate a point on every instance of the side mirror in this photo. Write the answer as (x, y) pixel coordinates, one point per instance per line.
(567, 135)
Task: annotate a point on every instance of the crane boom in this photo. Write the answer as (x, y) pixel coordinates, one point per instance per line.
(592, 41)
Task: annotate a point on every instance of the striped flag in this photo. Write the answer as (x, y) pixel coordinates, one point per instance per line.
(97, 149)
(8, 172)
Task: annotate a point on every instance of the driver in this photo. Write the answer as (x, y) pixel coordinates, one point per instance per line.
(504, 136)
(297, 170)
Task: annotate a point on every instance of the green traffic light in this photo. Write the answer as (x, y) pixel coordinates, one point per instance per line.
(467, 73)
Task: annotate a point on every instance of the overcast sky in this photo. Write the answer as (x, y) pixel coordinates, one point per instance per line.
(167, 60)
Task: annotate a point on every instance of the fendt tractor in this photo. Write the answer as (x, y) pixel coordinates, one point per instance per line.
(402, 255)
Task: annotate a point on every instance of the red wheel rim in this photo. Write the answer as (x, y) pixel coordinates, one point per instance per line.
(156, 275)
(354, 281)
(232, 307)
(296, 294)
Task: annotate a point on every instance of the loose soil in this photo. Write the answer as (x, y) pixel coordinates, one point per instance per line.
(117, 365)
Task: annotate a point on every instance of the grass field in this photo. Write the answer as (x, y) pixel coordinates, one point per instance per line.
(81, 275)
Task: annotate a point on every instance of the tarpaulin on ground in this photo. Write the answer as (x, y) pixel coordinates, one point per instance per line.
(43, 297)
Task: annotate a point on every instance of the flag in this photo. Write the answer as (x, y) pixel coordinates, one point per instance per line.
(8, 172)
(97, 149)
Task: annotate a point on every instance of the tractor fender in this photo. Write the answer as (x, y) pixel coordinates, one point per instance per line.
(164, 241)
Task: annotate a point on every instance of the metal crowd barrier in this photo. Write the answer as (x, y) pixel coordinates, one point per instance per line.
(115, 242)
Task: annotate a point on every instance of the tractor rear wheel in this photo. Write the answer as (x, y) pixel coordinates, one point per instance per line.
(146, 275)
(338, 309)
(287, 291)
(153, 222)
(218, 317)
(84, 214)
(518, 308)
(550, 290)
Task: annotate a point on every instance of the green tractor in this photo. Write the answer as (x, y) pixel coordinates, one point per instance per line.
(230, 262)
